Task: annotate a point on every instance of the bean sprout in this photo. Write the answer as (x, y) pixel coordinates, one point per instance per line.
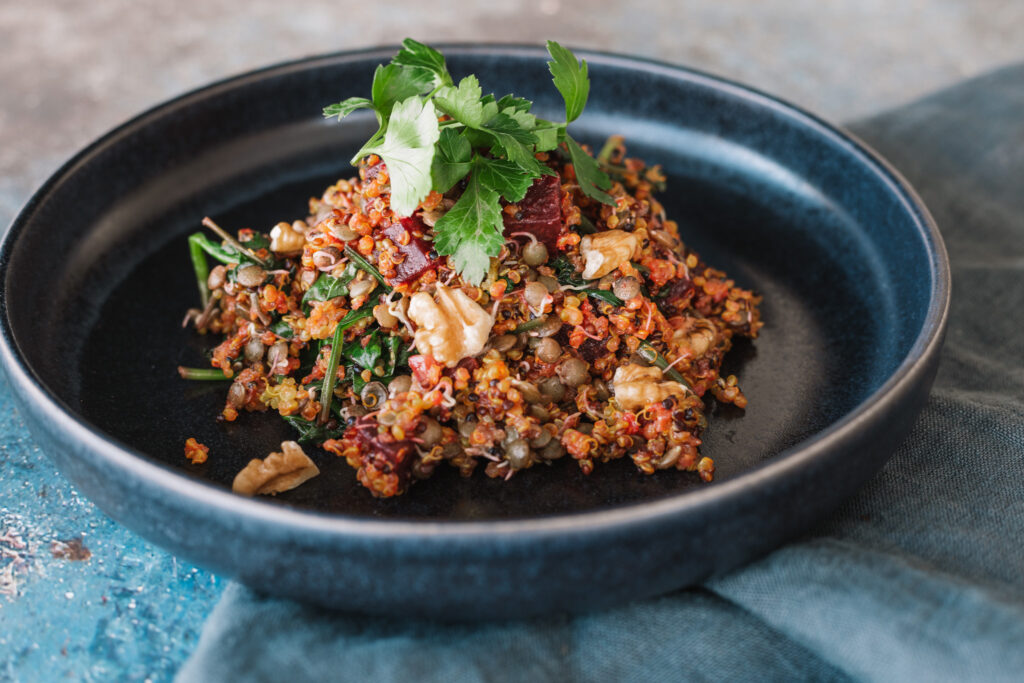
(533, 238)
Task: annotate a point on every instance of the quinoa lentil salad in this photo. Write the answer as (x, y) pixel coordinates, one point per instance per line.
(484, 293)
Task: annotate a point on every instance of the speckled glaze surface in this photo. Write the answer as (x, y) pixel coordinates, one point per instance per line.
(856, 289)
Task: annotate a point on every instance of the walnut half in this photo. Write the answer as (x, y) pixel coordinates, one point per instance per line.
(605, 251)
(287, 238)
(637, 386)
(449, 326)
(276, 473)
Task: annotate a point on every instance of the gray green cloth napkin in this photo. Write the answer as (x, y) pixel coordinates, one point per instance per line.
(918, 577)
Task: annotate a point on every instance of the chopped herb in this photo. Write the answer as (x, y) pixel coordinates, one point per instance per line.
(603, 295)
(235, 245)
(529, 325)
(330, 372)
(365, 265)
(201, 373)
(651, 355)
(610, 144)
(201, 268)
(565, 273)
(327, 287)
(282, 329)
(364, 355)
(312, 432)
(377, 353)
(225, 255)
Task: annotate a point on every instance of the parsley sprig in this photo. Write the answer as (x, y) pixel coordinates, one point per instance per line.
(489, 142)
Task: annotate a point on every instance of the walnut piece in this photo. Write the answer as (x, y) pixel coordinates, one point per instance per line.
(605, 251)
(695, 338)
(285, 238)
(449, 326)
(637, 387)
(276, 473)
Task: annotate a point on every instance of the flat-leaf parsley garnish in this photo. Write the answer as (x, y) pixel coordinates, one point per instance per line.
(433, 133)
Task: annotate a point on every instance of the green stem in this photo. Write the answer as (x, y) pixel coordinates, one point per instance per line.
(433, 92)
(363, 264)
(200, 241)
(330, 372)
(603, 295)
(201, 373)
(238, 246)
(371, 143)
(202, 269)
(610, 144)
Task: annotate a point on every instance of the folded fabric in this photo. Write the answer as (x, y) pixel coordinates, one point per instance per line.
(918, 577)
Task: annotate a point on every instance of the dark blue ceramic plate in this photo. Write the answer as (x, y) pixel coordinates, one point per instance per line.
(96, 279)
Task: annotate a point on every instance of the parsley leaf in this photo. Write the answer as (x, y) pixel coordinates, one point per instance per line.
(462, 103)
(591, 178)
(548, 136)
(408, 150)
(416, 54)
(515, 143)
(570, 78)
(451, 161)
(517, 103)
(346, 107)
(504, 177)
(471, 230)
(393, 84)
(503, 127)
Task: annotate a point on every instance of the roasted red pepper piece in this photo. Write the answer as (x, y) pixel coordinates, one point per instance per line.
(416, 251)
(425, 369)
(540, 212)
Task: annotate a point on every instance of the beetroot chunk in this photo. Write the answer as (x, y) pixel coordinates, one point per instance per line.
(386, 465)
(416, 251)
(540, 212)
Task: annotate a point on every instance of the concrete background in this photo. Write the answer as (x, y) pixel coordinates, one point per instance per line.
(71, 70)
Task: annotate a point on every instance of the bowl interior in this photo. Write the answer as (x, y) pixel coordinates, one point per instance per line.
(99, 277)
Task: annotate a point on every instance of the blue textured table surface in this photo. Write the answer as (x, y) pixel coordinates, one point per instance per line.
(81, 597)
(84, 599)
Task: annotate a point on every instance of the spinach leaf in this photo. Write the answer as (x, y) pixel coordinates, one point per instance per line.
(565, 273)
(311, 432)
(282, 330)
(367, 356)
(327, 287)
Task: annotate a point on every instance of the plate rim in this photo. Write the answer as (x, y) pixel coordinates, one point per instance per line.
(597, 522)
